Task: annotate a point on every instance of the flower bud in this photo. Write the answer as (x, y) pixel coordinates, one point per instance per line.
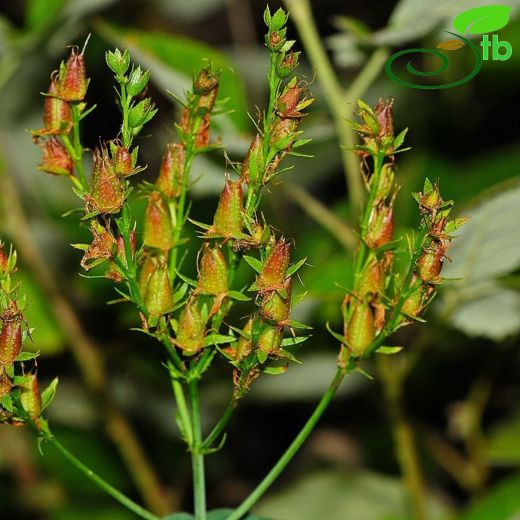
(11, 335)
(289, 104)
(431, 199)
(158, 298)
(73, 82)
(430, 263)
(190, 329)
(30, 395)
(137, 82)
(118, 61)
(213, 272)
(275, 40)
(253, 167)
(171, 173)
(206, 86)
(414, 303)
(228, 220)
(360, 329)
(270, 339)
(286, 64)
(107, 194)
(141, 113)
(275, 267)
(380, 227)
(276, 307)
(6, 384)
(158, 231)
(55, 160)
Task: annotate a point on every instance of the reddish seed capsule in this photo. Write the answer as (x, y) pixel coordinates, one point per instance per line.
(360, 330)
(158, 231)
(107, 193)
(4, 259)
(380, 227)
(123, 161)
(213, 272)
(55, 160)
(102, 247)
(430, 263)
(275, 266)
(385, 118)
(11, 335)
(206, 86)
(190, 329)
(243, 348)
(371, 280)
(30, 395)
(228, 220)
(288, 102)
(73, 82)
(57, 115)
(146, 269)
(202, 135)
(171, 173)
(284, 133)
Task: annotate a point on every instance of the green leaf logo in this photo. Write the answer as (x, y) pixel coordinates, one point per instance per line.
(480, 20)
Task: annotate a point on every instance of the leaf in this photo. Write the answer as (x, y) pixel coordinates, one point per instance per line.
(484, 19)
(501, 503)
(173, 60)
(49, 393)
(218, 339)
(293, 268)
(254, 263)
(7, 403)
(451, 45)
(236, 295)
(389, 350)
(27, 356)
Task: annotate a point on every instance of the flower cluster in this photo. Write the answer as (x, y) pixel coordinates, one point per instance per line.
(20, 397)
(382, 301)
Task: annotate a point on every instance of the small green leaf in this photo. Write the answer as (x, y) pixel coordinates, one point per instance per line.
(290, 342)
(218, 339)
(7, 403)
(275, 371)
(484, 19)
(49, 393)
(389, 350)
(236, 295)
(27, 356)
(293, 268)
(254, 263)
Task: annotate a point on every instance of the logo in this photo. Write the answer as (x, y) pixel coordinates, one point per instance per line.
(477, 21)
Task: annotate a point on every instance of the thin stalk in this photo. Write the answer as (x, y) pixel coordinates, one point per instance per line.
(197, 456)
(301, 14)
(291, 451)
(367, 75)
(184, 413)
(103, 484)
(78, 147)
(220, 426)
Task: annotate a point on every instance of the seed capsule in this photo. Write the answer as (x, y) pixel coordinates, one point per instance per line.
(146, 269)
(158, 231)
(243, 348)
(430, 263)
(55, 160)
(284, 133)
(385, 118)
(30, 395)
(57, 115)
(158, 296)
(288, 104)
(276, 307)
(275, 266)
(270, 339)
(107, 194)
(253, 167)
(371, 280)
(5, 383)
(206, 86)
(190, 329)
(4, 259)
(11, 335)
(360, 329)
(213, 272)
(380, 227)
(228, 220)
(73, 82)
(171, 173)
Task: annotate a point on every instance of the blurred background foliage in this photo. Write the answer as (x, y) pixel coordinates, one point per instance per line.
(454, 394)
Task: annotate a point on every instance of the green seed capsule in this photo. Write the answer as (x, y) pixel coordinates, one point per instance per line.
(213, 272)
(158, 297)
(228, 220)
(270, 339)
(276, 307)
(158, 231)
(30, 395)
(275, 266)
(190, 329)
(11, 335)
(360, 331)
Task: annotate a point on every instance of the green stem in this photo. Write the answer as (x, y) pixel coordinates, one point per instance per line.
(367, 75)
(301, 14)
(103, 484)
(197, 456)
(184, 413)
(220, 426)
(292, 449)
(78, 147)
